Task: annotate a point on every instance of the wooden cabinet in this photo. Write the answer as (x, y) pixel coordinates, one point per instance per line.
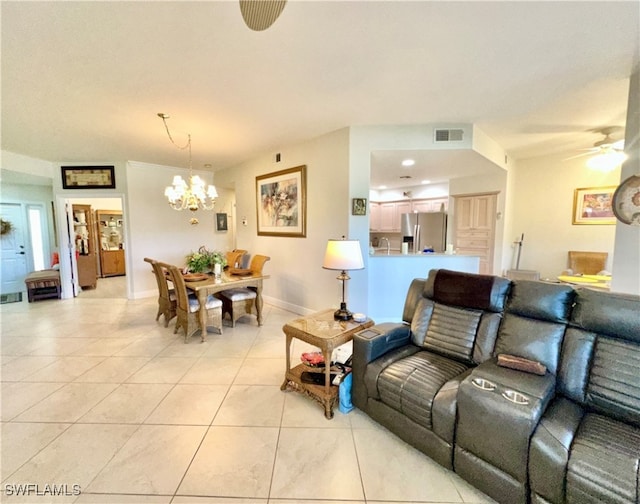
(112, 263)
(430, 205)
(374, 216)
(386, 217)
(85, 242)
(390, 215)
(111, 233)
(475, 218)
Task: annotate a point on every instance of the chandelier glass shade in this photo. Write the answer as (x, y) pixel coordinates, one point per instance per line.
(196, 195)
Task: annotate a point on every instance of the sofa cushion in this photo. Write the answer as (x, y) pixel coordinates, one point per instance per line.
(573, 375)
(452, 331)
(603, 465)
(608, 313)
(614, 381)
(409, 385)
(540, 300)
(480, 292)
(532, 339)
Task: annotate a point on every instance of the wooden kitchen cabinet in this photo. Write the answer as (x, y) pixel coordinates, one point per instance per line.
(374, 216)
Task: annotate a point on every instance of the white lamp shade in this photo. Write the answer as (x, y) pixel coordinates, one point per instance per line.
(343, 255)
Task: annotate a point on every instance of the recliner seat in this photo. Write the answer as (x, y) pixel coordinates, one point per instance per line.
(451, 321)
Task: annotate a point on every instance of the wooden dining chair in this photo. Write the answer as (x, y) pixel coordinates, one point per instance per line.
(242, 301)
(587, 263)
(234, 258)
(188, 307)
(166, 296)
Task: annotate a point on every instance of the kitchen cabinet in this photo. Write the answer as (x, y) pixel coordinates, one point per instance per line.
(374, 216)
(390, 215)
(85, 242)
(112, 263)
(430, 205)
(475, 217)
(111, 232)
(386, 217)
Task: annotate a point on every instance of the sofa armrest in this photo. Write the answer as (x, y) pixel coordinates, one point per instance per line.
(369, 345)
(445, 407)
(376, 341)
(549, 450)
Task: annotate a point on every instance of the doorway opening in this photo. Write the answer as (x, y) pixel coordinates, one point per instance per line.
(96, 233)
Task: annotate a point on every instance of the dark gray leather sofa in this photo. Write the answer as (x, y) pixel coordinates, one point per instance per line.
(567, 435)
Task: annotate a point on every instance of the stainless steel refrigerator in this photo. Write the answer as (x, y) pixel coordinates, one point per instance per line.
(424, 230)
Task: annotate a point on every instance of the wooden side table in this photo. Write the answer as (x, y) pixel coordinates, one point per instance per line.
(322, 331)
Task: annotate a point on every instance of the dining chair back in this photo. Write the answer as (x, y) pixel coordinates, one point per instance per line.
(242, 301)
(166, 296)
(188, 307)
(234, 258)
(587, 263)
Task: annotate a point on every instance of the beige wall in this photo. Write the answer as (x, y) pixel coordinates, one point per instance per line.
(298, 282)
(541, 208)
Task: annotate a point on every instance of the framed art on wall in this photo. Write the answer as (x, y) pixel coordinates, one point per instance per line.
(281, 203)
(221, 222)
(88, 177)
(593, 205)
(359, 206)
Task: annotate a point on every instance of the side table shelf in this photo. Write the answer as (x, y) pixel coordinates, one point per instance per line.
(322, 331)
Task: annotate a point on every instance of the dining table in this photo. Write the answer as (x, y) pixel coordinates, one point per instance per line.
(602, 282)
(205, 287)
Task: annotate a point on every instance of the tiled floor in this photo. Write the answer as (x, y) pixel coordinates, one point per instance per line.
(97, 394)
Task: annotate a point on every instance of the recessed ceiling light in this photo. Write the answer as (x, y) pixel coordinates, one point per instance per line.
(382, 187)
(408, 162)
(426, 182)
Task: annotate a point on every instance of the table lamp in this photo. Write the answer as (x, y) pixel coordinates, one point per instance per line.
(343, 255)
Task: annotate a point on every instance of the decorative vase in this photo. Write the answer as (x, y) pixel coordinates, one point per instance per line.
(217, 270)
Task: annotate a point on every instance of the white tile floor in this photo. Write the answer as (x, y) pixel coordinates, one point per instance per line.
(95, 393)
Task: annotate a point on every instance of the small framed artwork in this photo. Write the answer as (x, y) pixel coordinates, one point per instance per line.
(88, 177)
(221, 222)
(593, 205)
(281, 203)
(359, 206)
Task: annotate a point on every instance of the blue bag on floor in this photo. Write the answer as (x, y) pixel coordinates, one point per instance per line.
(344, 395)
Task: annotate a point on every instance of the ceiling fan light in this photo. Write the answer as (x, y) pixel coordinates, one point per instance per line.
(606, 162)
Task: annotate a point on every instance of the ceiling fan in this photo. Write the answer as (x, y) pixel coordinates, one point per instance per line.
(607, 153)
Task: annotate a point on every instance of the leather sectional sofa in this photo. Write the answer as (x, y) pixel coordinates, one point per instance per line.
(528, 390)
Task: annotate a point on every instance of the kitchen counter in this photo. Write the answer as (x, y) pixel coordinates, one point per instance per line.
(390, 277)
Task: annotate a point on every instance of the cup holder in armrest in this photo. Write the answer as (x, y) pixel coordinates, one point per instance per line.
(515, 397)
(483, 384)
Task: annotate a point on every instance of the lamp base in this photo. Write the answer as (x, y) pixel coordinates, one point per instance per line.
(342, 313)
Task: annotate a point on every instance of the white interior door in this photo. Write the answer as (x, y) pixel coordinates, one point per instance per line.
(13, 246)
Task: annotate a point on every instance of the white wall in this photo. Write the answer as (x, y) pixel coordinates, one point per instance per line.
(543, 190)
(298, 282)
(626, 267)
(155, 230)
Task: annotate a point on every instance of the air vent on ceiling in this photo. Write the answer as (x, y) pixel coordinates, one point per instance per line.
(448, 135)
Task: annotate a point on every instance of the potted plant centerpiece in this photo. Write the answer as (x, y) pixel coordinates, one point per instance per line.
(205, 261)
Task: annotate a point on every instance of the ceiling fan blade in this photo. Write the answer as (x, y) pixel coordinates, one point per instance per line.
(591, 151)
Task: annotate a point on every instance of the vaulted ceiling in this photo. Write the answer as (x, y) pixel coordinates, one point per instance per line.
(83, 81)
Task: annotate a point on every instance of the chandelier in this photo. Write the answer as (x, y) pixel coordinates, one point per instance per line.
(197, 195)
